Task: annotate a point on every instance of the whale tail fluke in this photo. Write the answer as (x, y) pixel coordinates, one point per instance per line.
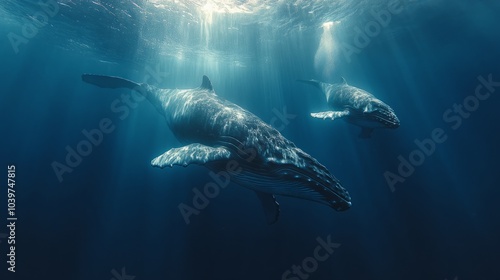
(311, 82)
(109, 81)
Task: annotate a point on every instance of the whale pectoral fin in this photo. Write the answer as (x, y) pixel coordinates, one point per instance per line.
(270, 205)
(190, 154)
(366, 132)
(330, 114)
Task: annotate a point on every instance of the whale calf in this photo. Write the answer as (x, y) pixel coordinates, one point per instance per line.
(216, 132)
(356, 106)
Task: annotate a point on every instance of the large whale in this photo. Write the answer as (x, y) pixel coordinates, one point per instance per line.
(356, 106)
(216, 132)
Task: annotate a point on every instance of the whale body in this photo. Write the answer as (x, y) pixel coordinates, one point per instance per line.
(356, 106)
(216, 132)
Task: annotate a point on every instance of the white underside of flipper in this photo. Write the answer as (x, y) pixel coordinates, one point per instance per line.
(190, 154)
(330, 114)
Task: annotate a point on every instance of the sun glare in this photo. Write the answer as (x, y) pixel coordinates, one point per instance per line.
(216, 6)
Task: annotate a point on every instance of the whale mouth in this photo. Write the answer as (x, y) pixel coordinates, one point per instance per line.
(342, 201)
(309, 183)
(343, 206)
(385, 116)
(375, 119)
(298, 175)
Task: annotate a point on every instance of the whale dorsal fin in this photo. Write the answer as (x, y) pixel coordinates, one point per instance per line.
(343, 81)
(206, 84)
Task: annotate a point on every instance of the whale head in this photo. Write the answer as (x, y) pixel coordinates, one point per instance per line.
(297, 175)
(380, 115)
(377, 114)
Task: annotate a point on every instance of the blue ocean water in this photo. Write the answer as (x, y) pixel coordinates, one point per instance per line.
(418, 211)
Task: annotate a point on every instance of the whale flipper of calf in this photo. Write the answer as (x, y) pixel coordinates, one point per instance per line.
(225, 137)
(356, 106)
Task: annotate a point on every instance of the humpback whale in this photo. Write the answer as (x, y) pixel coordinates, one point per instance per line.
(356, 106)
(216, 132)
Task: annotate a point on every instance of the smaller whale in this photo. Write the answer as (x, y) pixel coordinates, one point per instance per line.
(355, 106)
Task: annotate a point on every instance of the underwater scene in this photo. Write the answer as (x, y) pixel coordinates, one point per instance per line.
(250, 139)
